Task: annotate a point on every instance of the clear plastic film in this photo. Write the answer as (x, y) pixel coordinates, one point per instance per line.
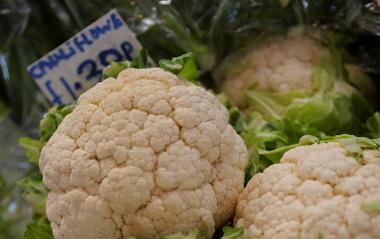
(213, 29)
(353, 25)
(33, 27)
(210, 30)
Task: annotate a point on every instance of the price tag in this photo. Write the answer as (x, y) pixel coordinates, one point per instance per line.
(76, 65)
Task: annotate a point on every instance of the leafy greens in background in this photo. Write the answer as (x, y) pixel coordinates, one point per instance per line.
(184, 66)
(338, 103)
(34, 192)
(14, 211)
(373, 126)
(263, 138)
(279, 124)
(39, 228)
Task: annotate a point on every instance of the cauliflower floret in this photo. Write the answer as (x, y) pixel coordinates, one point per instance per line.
(281, 65)
(145, 155)
(315, 190)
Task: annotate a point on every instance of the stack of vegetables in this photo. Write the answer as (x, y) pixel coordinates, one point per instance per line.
(283, 146)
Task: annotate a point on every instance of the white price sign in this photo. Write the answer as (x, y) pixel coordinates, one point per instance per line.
(76, 65)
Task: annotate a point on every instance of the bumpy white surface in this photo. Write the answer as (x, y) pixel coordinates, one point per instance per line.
(281, 65)
(143, 155)
(315, 189)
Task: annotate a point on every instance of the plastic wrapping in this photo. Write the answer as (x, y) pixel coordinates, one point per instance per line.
(353, 25)
(213, 29)
(209, 29)
(165, 28)
(35, 27)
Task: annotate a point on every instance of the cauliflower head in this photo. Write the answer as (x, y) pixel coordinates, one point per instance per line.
(317, 191)
(283, 64)
(146, 155)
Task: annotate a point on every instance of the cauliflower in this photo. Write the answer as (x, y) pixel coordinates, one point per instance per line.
(303, 77)
(281, 65)
(291, 85)
(317, 191)
(146, 155)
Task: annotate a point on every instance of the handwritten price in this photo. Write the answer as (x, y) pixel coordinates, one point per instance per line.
(91, 70)
(76, 65)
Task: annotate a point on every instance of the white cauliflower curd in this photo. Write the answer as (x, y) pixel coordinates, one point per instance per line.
(279, 64)
(317, 191)
(146, 155)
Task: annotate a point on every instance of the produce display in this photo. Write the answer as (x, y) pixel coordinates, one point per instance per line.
(253, 119)
(296, 84)
(149, 154)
